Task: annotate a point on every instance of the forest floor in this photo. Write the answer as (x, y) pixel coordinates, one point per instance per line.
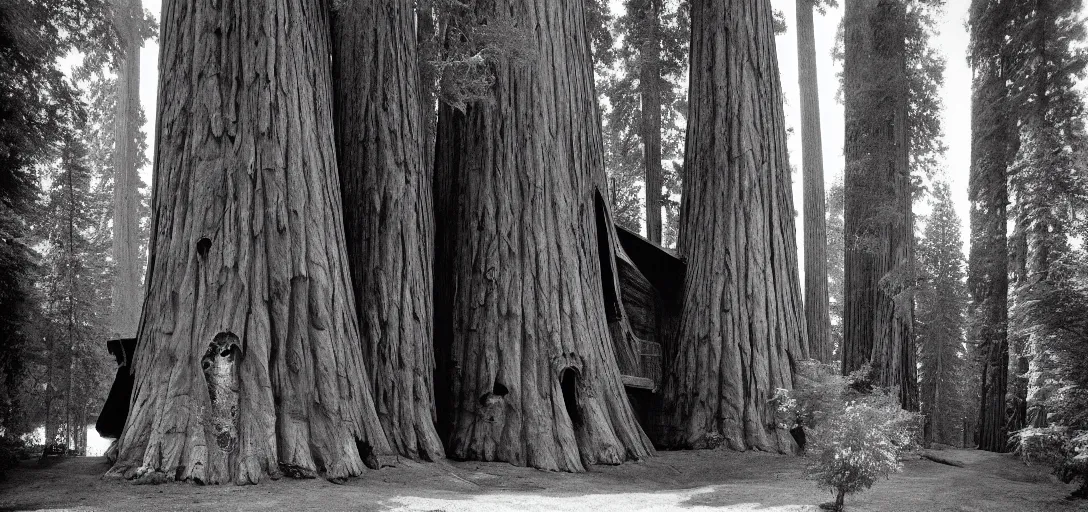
(691, 480)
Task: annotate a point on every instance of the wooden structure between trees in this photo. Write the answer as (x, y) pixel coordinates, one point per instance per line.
(643, 291)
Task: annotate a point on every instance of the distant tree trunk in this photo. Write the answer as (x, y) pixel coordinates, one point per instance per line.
(878, 315)
(387, 213)
(993, 137)
(528, 370)
(1019, 344)
(742, 326)
(249, 361)
(127, 290)
(817, 309)
(650, 91)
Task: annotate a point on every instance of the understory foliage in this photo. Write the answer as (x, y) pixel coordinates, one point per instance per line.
(469, 41)
(1058, 309)
(856, 432)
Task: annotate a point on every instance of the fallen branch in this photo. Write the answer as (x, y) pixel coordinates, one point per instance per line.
(942, 460)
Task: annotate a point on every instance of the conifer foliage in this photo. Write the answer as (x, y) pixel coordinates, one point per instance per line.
(940, 318)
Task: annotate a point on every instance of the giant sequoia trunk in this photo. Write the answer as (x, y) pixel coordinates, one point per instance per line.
(126, 291)
(879, 273)
(742, 326)
(388, 221)
(817, 309)
(249, 362)
(528, 372)
(650, 91)
(992, 140)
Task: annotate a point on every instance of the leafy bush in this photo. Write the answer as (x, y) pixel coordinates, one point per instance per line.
(856, 433)
(1063, 448)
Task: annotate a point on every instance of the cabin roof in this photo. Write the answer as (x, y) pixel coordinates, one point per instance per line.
(662, 267)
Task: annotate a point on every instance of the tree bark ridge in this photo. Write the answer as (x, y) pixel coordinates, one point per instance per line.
(742, 326)
(247, 266)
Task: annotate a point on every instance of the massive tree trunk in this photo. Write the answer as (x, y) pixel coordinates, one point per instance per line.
(528, 372)
(742, 325)
(425, 34)
(993, 137)
(127, 291)
(878, 318)
(249, 361)
(817, 309)
(387, 213)
(650, 91)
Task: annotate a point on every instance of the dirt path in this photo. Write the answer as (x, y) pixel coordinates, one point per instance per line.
(696, 480)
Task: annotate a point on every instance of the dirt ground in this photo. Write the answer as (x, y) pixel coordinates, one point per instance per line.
(693, 480)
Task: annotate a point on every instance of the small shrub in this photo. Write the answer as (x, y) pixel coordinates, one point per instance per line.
(853, 449)
(1063, 448)
(856, 434)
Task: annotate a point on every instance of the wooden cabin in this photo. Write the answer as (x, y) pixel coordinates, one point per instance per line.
(643, 287)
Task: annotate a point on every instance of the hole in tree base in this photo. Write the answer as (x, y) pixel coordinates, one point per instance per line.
(497, 391)
(203, 246)
(220, 366)
(365, 450)
(568, 382)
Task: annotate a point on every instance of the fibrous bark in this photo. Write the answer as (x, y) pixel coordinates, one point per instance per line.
(127, 291)
(878, 315)
(742, 324)
(388, 220)
(993, 138)
(249, 300)
(528, 372)
(817, 308)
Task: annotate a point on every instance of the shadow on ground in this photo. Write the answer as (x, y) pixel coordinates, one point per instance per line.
(692, 480)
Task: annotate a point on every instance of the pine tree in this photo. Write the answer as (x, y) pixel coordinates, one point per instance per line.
(836, 203)
(38, 105)
(76, 280)
(941, 308)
